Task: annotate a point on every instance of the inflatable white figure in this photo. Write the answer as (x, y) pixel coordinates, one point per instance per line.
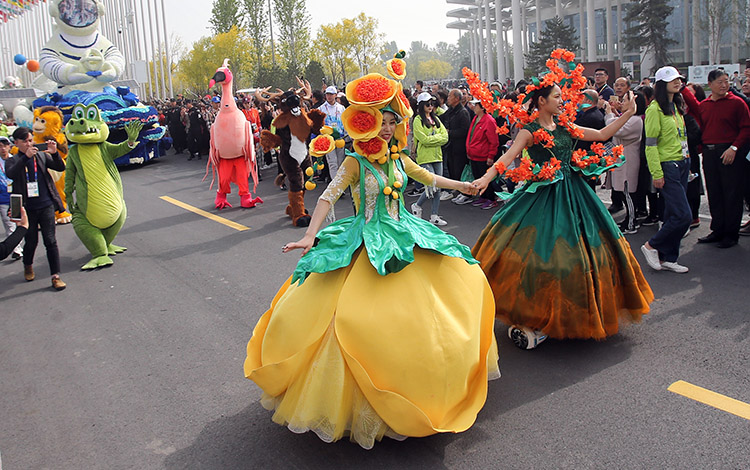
(77, 56)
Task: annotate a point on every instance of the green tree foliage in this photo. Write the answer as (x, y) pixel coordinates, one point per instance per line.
(433, 69)
(649, 32)
(293, 25)
(257, 21)
(224, 15)
(556, 35)
(208, 53)
(314, 74)
(349, 48)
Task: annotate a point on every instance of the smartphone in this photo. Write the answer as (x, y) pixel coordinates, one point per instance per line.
(16, 200)
(41, 147)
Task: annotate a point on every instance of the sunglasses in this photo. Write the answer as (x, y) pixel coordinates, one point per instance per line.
(430, 103)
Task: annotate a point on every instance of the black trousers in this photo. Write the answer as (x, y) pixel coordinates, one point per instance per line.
(478, 169)
(725, 185)
(44, 220)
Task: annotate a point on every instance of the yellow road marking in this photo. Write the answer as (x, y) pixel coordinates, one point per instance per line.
(717, 400)
(205, 214)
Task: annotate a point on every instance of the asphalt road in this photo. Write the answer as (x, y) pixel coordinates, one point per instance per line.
(139, 366)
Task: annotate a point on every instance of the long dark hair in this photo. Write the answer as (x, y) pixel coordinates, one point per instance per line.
(423, 115)
(662, 97)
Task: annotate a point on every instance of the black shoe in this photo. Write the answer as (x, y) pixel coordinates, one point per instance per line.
(16, 255)
(613, 208)
(712, 237)
(727, 243)
(190, 157)
(650, 221)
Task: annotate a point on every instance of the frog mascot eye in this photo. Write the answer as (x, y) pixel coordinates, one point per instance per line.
(92, 113)
(78, 112)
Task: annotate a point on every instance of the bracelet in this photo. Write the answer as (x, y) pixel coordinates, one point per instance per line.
(500, 167)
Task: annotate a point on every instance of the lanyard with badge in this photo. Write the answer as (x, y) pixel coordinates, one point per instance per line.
(32, 187)
(682, 134)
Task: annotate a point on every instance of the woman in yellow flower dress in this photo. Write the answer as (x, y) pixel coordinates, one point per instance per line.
(386, 326)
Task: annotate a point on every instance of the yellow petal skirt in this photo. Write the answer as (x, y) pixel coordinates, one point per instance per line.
(350, 352)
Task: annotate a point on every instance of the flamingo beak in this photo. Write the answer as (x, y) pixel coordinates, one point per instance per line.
(218, 77)
(211, 83)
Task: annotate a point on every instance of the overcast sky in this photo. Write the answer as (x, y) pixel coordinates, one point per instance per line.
(402, 21)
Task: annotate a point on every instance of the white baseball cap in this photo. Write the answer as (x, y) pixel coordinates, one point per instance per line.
(667, 74)
(424, 96)
(331, 90)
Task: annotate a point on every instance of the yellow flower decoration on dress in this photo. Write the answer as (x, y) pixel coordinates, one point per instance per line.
(400, 134)
(322, 145)
(371, 90)
(362, 122)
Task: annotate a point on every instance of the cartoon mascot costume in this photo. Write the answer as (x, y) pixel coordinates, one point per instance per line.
(48, 124)
(232, 153)
(293, 128)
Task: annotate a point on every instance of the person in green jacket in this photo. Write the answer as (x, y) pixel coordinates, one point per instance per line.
(429, 136)
(669, 164)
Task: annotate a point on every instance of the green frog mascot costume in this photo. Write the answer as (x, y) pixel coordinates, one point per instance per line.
(99, 207)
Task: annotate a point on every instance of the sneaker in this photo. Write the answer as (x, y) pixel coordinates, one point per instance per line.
(745, 230)
(437, 220)
(416, 210)
(463, 199)
(16, 255)
(652, 257)
(614, 209)
(28, 273)
(489, 205)
(674, 267)
(696, 223)
(445, 195)
(649, 221)
(628, 231)
(415, 192)
(58, 283)
(480, 201)
(687, 232)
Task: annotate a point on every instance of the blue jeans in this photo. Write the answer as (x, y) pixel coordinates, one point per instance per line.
(677, 214)
(437, 169)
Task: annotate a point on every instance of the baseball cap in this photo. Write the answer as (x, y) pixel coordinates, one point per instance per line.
(332, 90)
(475, 101)
(667, 74)
(4, 140)
(424, 96)
(216, 99)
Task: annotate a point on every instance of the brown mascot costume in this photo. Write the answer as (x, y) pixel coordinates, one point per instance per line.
(293, 128)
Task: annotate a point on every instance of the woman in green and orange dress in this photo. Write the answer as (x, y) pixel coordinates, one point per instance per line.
(557, 263)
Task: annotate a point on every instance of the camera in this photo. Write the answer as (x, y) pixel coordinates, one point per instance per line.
(41, 147)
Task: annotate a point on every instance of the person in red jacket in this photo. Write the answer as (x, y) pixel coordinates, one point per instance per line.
(481, 149)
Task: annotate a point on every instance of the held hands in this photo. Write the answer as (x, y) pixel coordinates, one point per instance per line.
(480, 184)
(305, 244)
(468, 188)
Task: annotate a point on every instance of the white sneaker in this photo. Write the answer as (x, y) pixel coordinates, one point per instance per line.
(652, 257)
(674, 267)
(416, 210)
(445, 195)
(463, 199)
(436, 219)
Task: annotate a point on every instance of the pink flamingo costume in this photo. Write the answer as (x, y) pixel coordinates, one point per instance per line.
(232, 152)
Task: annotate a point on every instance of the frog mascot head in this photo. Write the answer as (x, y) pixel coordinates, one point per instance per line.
(91, 176)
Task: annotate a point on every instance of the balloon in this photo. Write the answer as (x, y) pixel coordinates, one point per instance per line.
(19, 59)
(32, 65)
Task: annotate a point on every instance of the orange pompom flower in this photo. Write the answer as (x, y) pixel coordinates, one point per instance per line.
(322, 145)
(373, 149)
(371, 90)
(362, 122)
(396, 68)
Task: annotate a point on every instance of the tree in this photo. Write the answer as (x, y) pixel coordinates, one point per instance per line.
(334, 51)
(365, 40)
(649, 33)
(257, 21)
(224, 15)
(556, 35)
(294, 32)
(719, 14)
(434, 69)
(314, 74)
(208, 53)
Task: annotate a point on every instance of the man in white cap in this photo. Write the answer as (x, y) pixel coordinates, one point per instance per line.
(333, 111)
